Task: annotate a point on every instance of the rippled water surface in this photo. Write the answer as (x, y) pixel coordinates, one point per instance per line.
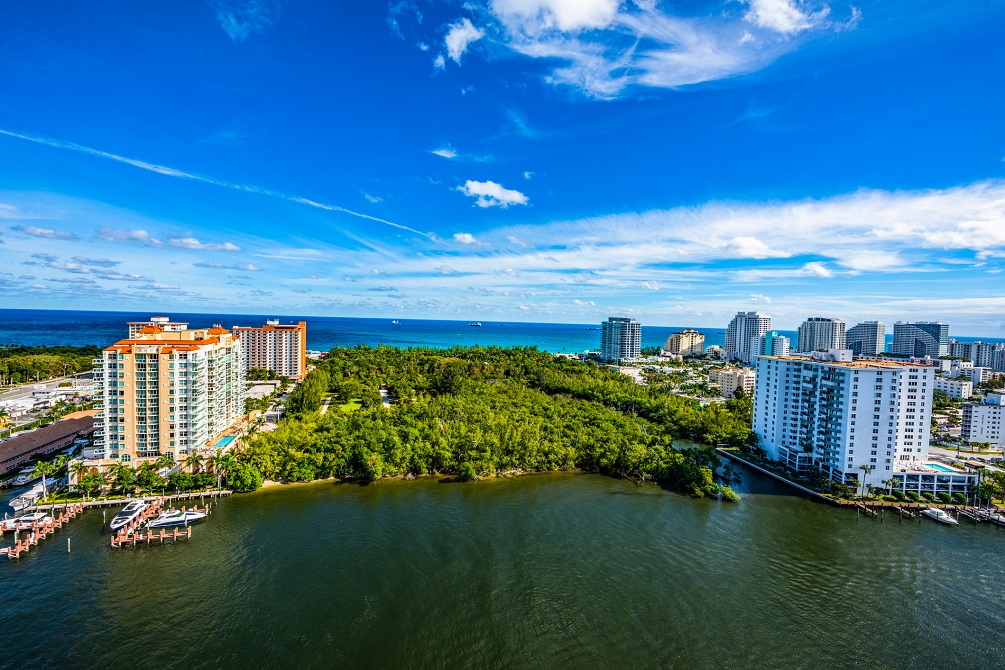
(540, 571)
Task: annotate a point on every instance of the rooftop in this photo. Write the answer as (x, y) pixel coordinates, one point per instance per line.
(19, 445)
(858, 363)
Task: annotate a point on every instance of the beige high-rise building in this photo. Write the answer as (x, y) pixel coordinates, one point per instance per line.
(167, 392)
(730, 379)
(282, 349)
(685, 343)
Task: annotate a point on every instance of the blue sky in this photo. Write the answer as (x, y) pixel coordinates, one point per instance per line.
(536, 160)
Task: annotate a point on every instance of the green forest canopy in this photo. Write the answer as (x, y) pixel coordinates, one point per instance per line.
(481, 411)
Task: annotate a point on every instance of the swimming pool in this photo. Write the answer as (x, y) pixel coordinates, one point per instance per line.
(224, 442)
(940, 467)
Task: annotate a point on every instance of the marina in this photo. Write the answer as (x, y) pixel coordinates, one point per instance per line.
(38, 527)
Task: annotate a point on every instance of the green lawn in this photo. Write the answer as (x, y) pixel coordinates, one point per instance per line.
(352, 405)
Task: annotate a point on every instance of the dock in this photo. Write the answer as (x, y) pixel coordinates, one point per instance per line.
(134, 534)
(40, 530)
(114, 502)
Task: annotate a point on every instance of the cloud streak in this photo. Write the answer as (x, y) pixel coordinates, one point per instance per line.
(180, 174)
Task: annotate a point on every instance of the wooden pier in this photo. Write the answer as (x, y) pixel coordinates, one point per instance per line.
(134, 534)
(114, 502)
(40, 530)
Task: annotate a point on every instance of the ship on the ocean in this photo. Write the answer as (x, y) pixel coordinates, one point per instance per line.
(477, 324)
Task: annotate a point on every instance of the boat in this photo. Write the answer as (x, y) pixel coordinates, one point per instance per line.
(128, 514)
(394, 323)
(28, 498)
(593, 329)
(24, 477)
(23, 523)
(477, 324)
(940, 515)
(175, 517)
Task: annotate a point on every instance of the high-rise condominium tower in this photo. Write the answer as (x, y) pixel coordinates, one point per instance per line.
(819, 332)
(741, 333)
(620, 339)
(867, 338)
(922, 338)
(280, 348)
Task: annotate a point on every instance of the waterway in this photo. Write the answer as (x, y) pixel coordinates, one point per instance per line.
(539, 571)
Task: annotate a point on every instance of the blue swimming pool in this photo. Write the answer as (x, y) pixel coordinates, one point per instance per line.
(940, 467)
(225, 442)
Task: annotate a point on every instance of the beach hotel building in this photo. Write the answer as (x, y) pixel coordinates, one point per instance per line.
(282, 349)
(828, 412)
(168, 392)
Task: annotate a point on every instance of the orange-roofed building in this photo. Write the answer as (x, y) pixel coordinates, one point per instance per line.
(276, 347)
(167, 390)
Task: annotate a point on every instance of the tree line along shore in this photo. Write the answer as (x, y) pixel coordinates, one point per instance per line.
(472, 412)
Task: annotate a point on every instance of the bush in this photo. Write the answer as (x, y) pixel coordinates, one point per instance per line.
(727, 493)
(960, 498)
(928, 496)
(244, 477)
(898, 494)
(945, 497)
(467, 472)
(912, 496)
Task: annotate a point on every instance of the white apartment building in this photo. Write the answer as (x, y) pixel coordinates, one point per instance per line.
(276, 347)
(920, 338)
(742, 332)
(985, 421)
(954, 388)
(819, 332)
(770, 344)
(620, 339)
(167, 392)
(164, 323)
(828, 412)
(981, 354)
(867, 338)
(730, 379)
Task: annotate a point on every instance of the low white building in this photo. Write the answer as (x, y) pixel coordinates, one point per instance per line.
(985, 421)
(730, 379)
(954, 388)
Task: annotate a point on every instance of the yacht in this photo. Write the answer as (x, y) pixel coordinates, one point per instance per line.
(128, 514)
(394, 323)
(175, 517)
(940, 515)
(477, 324)
(23, 523)
(26, 476)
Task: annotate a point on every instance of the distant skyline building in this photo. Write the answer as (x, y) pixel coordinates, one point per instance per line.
(821, 333)
(163, 322)
(685, 343)
(770, 344)
(620, 339)
(984, 421)
(920, 338)
(743, 332)
(981, 354)
(867, 338)
(276, 347)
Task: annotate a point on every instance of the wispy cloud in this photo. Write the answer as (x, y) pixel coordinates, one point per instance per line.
(460, 35)
(241, 267)
(172, 172)
(48, 233)
(145, 238)
(445, 152)
(242, 18)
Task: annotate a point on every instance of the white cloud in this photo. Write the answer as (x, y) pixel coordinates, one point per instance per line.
(535, 16)
(465, 238)
(242, 18)
(528, 175)
(491, 194)
(439, 62)
(784, 16)
(752, 247)
(460, 36)
(48, 233)
(138, 236)
(446, 270)
(445, 152)
(760, 297)
(196, 245)
(651, 285)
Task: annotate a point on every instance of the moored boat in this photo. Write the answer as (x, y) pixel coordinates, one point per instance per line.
(940, 515)
(128, 514)
(28, 498)
(23, 523)
(175, 517)
(26, 476)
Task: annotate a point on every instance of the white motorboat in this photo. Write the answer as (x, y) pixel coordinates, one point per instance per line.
(175, 517)
(26, 476)
(940, 515)
(23, 523)
(128, 514)
(28, 498)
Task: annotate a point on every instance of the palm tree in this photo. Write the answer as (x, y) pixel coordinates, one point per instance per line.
(45, 469)
(194, 461)
(866, 470)
(78, 469)
(164, 461)
(221, 463)
(889, 484)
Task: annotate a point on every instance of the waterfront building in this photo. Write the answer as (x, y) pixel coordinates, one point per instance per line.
(981, 354)
(686, 343)
(923, 338)
(163, 322)
(276, 347)
(770, 344)
(829, 412)
(954, 388)
(985, 421)
(867, 338)
(168, 392)
(23, 447)
(730, 379)
(620, 339)
(744, 330)
(821, 333)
